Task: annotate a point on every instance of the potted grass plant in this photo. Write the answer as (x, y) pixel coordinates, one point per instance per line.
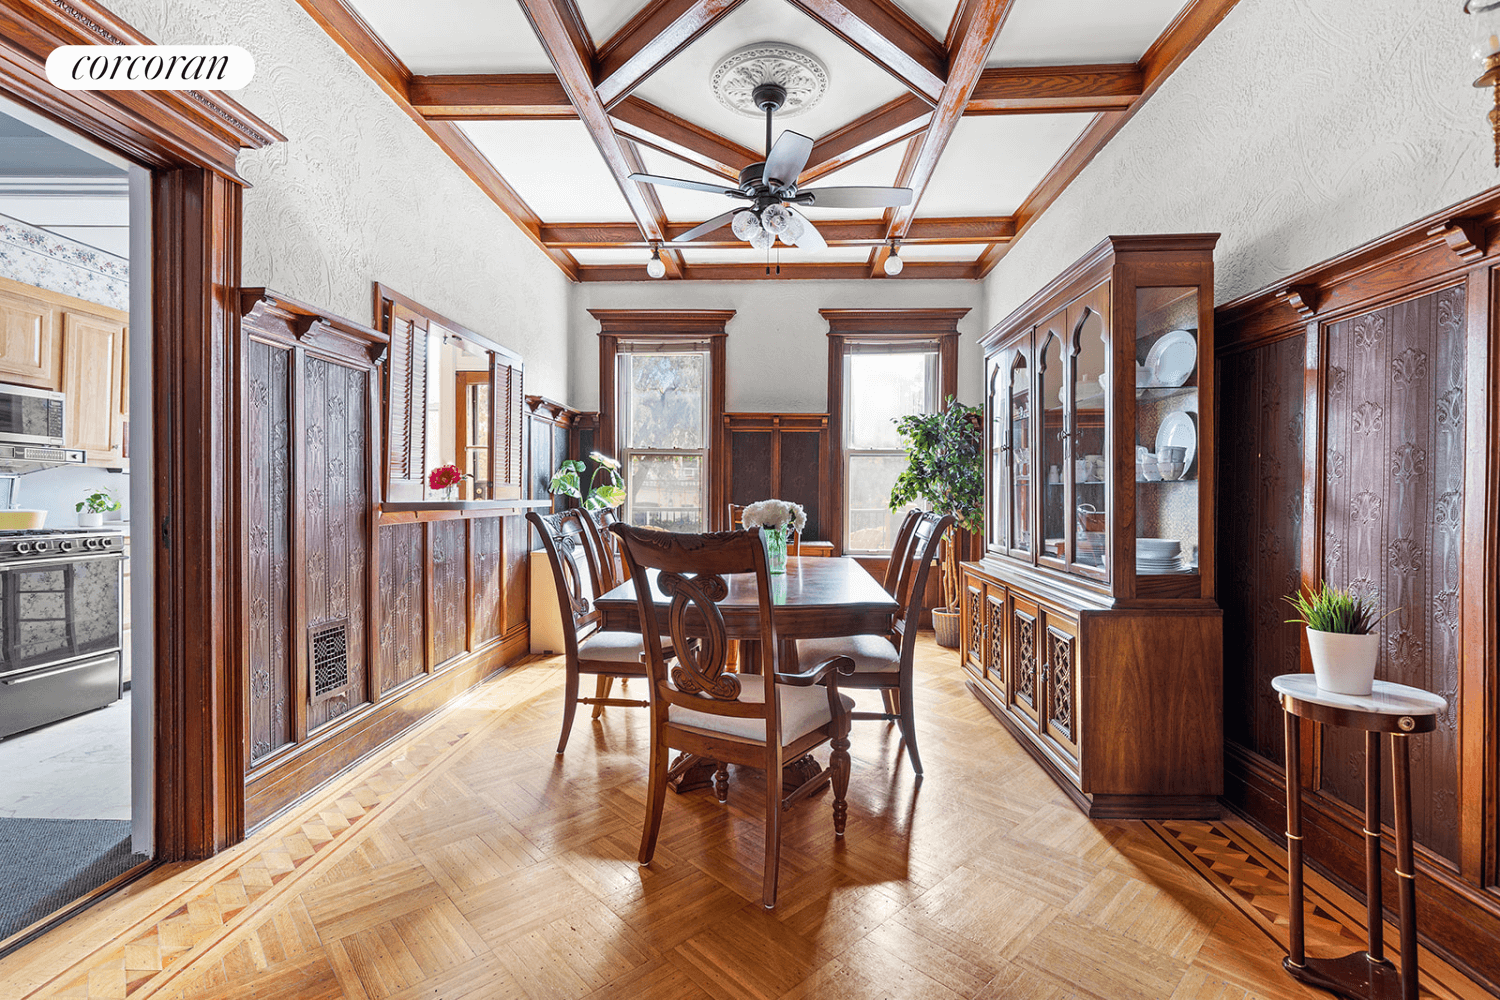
(945, 468)
(1341, 636)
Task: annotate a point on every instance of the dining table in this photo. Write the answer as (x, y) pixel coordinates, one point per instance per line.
(817, 597)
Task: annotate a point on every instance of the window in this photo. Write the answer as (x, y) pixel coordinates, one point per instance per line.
(661, 412)
(663, 408)
(882, 383)
(883, 364)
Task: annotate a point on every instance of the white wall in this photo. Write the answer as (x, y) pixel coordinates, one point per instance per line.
(358, 193)
(777, 351)
(58, 490)
(1298, 129)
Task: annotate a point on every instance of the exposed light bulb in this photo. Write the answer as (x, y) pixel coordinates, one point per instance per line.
(656, 267)
(776, 218)
(894, 264)
(745, 224)
(762, 240)
(795, 228)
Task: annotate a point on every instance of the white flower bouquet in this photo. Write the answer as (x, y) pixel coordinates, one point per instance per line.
(774, 514)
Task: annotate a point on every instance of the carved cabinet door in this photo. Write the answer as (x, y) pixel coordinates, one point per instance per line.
(1023, 634)
(993, 650)
(972, 635)
(1059, 669)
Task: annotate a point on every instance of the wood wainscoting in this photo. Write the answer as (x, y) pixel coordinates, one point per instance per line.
(357, 623)
(1361, 445)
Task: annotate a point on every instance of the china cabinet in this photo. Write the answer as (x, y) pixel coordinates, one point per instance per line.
(1090, 626)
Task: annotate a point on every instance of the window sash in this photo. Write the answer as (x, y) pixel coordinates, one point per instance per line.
(931, 357)
(701, 507)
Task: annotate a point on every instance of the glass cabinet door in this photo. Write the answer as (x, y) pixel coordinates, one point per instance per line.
(1089, 470)
(1019, 441)
(1053, 452)
(996, 454)
(1166, 423)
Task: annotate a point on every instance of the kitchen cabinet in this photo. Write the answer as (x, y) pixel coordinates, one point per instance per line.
(1090, 627)
(29, 336)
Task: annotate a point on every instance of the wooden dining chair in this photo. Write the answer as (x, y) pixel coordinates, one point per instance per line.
(885, 663)
(609, 546)
(762, 721)
(567, 536)
(900, 552)
(737, 520)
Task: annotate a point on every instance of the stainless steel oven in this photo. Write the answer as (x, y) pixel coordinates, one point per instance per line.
(31, 416)
(61, 609)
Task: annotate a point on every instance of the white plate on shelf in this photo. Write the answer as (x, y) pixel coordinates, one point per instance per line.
(1171, 359)
(1178, 430)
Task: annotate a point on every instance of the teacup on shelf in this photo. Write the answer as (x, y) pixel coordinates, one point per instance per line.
(1170, 471)
(1171, 453)
(1147, 466)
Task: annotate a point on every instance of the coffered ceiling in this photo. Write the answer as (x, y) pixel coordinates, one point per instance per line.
(986, 108)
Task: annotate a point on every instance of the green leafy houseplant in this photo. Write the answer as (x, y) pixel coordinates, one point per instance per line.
(97, 502)
(1341, 637)
(568, 481)
(945, 468)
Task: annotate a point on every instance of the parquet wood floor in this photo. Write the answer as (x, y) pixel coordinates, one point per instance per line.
(471, 862)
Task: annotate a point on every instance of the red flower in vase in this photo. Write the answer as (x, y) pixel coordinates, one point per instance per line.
(444, 476)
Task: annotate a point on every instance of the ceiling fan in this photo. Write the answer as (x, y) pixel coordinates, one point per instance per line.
(771, 190)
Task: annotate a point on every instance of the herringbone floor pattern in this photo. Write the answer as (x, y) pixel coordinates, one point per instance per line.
(471, 862)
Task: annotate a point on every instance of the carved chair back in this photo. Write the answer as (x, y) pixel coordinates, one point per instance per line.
(568, 537)
(927, 533)
(900, 552)
(737, 520)
(609, 546)
(690, 570)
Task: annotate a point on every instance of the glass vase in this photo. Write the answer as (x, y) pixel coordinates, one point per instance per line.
(776, 540)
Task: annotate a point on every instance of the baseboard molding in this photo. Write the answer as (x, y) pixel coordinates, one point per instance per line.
(303, 770)
(1455, 919)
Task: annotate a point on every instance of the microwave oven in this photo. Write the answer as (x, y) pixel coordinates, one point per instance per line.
(31, 416)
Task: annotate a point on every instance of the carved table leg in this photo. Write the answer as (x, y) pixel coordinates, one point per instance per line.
(689, 773)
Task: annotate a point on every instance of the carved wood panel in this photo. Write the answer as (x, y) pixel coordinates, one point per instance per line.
(485, 555)
(994, 651)
(403, 645)
(267, 416)
(448, 589)
(336, 504)
(1260, 554)
(1392, 527)
(973, 634)
(1062, 693)
(1023, 659)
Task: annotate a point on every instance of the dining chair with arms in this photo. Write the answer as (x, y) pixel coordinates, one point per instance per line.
(761, 721)
(567, 535)
(885, 663)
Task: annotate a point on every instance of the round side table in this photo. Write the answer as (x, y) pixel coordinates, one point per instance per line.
(1390, 708)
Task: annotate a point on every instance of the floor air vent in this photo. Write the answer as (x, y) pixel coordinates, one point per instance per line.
(330, 657)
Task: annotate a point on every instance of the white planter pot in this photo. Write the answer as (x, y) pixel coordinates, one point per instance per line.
(88, 520)
(1343, 663)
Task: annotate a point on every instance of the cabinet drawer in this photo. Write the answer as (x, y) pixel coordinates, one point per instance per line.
(34, 699)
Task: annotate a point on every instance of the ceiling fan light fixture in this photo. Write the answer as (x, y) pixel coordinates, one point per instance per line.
(762, 240)
(776, 218)
(656, 267)
(795, 228)
(893, 263)
(745, 225)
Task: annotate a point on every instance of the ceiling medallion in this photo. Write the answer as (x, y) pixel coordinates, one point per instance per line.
(803, 75)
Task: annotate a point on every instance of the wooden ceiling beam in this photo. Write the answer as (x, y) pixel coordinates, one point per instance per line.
(1182, 36)
(669, 256)
(551, 21)
(362, 45)
(649, 40)
(490, 97)
(889, 37)
(838, 232)
(887, 125)
(788, 271)
(974, 33)
(663, 131)
(1054, 89)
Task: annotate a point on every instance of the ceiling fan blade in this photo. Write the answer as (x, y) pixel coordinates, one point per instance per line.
(810, 239)
(717, 222)
(680, 182)
(787, 158)
(858, 197)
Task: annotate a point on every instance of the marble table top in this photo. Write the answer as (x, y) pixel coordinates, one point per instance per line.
(1385, 699)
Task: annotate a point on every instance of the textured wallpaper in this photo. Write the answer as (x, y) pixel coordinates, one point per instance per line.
(37, 257)
(1298, 129)
(359, 193)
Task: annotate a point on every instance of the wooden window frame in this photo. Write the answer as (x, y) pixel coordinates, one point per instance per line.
(502, 440)
(463, 381)
(668, 326)
(879, 326)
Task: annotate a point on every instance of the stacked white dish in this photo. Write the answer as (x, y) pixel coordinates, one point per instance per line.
(1157, 556)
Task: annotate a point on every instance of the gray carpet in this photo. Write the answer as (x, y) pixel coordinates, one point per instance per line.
(45, 864)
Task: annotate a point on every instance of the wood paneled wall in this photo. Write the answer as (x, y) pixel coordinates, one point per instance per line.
(360, 620)
(782, 456)
(1359, 404)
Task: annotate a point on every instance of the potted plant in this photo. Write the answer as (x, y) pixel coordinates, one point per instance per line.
(945, 468)
(92, 508)
(1341, 637)
(777, 520)
(567, 481)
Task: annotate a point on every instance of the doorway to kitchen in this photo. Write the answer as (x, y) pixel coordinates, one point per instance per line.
(75, 693)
